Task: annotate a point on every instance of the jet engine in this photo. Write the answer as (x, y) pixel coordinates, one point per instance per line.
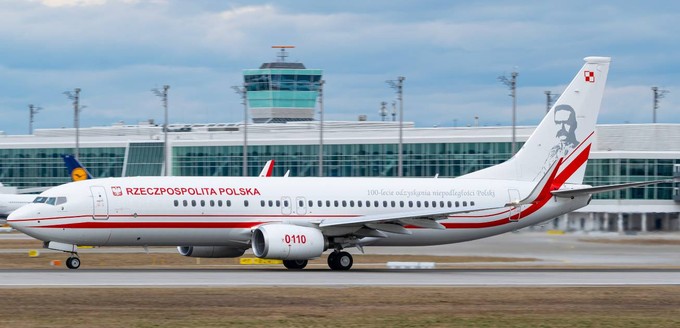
(288, 242)
(210, 251)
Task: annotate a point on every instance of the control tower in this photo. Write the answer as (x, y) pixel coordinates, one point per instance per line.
(282, 91)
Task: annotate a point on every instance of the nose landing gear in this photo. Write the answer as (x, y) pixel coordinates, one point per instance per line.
(73, 262)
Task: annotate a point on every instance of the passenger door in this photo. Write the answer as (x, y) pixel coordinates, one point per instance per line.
(100, 204)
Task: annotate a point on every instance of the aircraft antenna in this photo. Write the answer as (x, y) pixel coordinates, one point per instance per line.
(283, 54)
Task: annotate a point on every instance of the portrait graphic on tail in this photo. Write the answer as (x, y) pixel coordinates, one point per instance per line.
(565, 137)
(565, 122)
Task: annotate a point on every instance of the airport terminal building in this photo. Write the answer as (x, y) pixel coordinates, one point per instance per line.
(281, 99)
(620, 153)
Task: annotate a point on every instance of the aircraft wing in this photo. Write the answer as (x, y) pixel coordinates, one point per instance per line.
(395, 222)
(599, 189)
(372, 225)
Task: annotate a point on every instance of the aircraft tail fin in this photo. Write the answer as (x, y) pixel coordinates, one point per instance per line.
(566, 132)
(267, 169)
(76, 170)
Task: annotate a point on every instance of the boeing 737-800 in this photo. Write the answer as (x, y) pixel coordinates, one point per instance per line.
(298, 219)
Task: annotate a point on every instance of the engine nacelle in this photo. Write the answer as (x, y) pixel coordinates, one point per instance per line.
(210, 251)
(288, 242)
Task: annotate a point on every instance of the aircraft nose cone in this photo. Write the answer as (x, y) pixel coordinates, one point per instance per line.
(18, 218)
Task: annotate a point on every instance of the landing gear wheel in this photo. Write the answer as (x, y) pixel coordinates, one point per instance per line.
(295, 264)
(341, 261)
(73, 262)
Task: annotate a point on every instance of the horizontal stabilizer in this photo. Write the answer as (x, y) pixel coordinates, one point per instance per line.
(599, 189)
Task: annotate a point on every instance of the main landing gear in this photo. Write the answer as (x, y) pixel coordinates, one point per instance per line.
(295, 264)
(338, 260)
(73, 262)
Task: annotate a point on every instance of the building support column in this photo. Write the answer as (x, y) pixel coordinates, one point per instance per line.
(643, 222)
(619, 224)
(591, 224)
(605, 226)
(563, 222)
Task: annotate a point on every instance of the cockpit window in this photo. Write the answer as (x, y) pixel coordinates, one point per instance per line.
(50, 200)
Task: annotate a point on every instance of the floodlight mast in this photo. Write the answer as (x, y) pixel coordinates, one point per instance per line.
(164, 97)
(383, 110)
(398, 85)
(511, 83)
(550, 99)
(32, 110)
(321, 84)
(658, 94)
(75, 96)
(243, 92)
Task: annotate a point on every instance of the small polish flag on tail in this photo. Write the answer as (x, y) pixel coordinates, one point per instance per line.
(590, 76)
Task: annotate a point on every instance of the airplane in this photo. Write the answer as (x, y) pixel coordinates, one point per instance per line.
(11, 202)
(297, 219)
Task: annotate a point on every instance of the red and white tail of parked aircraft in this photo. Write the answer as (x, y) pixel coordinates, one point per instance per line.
(298, 219)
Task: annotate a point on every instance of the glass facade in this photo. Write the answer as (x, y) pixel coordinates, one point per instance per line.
(612, 171)
(372, 160)
(144, 159)
(44, 167)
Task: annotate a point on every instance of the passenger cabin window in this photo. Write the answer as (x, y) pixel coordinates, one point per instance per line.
(176, 203)
(245, 203)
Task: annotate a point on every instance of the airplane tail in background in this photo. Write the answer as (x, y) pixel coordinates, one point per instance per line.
(567, 131)
(76, 170)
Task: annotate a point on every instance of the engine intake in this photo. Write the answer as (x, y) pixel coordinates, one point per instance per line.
(210, 251)
(288, 242)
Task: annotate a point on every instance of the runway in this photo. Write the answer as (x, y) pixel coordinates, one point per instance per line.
(327, 278)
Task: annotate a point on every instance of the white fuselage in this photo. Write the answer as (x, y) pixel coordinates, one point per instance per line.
(211, 211)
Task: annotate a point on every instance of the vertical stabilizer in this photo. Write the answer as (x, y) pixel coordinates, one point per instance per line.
(565, 132)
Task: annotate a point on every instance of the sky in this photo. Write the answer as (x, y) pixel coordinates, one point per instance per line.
(451, 53)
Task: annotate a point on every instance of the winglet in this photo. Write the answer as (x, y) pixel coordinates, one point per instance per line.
(543, 188)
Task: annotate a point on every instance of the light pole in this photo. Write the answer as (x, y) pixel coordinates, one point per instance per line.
(243, 91)
(398, 85)
(32, 110)
(164, 96)
(512, 84)
(321, 83)
(75, 96)
(658, 94)
(550, 100)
